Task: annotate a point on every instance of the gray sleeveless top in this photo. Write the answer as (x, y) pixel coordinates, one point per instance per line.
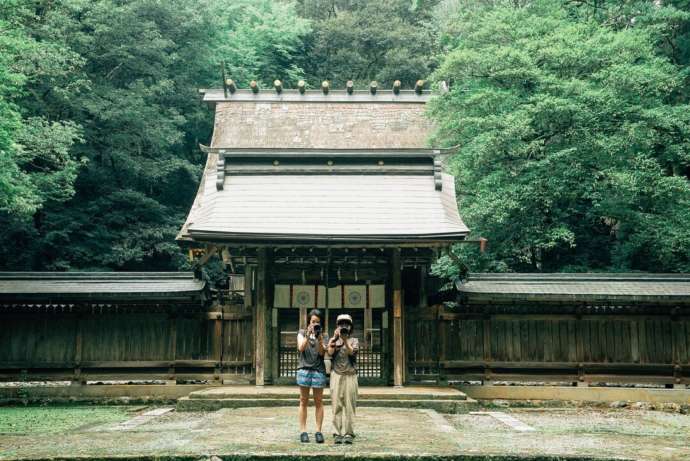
(310, 359)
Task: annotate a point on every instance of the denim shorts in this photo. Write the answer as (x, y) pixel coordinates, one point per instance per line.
(311, 378)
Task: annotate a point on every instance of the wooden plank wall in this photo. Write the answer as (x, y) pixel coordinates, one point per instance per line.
(580, 349)
(165, 344)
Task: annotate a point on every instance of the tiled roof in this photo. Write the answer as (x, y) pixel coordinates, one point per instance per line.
(94, 286)
(327, 207)
(577, 287)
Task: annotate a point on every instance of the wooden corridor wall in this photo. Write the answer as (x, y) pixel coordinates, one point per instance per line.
(79, 343)
(584, 348)
(92, 343)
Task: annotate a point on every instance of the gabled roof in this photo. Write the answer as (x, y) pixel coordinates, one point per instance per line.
(327, 208)
(100, 286)
(588, 287)
(315, 167)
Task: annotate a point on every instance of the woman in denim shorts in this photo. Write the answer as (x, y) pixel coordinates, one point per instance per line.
(311, 372)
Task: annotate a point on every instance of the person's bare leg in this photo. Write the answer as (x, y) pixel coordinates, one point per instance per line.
(303, 403)
(318, 403)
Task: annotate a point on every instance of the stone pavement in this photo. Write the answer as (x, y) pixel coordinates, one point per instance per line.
(558, 433)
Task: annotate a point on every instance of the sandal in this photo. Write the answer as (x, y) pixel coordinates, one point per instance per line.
(319, 437)
(338, 439)
(348, 439)
(304, 437)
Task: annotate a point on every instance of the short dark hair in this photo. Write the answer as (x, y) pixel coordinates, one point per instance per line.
(314, 312)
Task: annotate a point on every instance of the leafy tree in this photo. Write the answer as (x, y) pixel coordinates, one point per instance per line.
(36, 164)
(364, 41)
(572, 140)
(264, 41)
(123, 88)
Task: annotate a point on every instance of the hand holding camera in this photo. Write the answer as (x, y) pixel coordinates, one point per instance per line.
(344, 331)
(314, 330)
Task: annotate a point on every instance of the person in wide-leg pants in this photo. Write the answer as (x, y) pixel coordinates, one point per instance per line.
(343, 350)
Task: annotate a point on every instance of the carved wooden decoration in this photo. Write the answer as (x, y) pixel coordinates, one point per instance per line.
(220, 170)
(438, 178)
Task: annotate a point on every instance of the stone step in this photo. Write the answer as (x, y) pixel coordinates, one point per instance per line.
(365, 393)
(203, 396)
(442, 406)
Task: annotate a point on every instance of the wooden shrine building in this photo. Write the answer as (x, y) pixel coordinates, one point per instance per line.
(325, 199)
(332, 199)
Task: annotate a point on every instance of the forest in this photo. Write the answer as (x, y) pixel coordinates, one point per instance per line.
(569, 119)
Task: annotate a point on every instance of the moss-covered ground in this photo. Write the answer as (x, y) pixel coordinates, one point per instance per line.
(121, 432)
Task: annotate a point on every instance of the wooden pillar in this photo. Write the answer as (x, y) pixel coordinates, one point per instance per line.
(398, 346)
(172, 347)
(248, 286)
(368, 318)
(218, 344)
(262, 318)
(275, 345)
(77, 378)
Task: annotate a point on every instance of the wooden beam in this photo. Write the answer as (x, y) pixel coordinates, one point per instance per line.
(398, 347)
(319, 169)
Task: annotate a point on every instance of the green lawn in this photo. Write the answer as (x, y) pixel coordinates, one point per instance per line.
(32, 420)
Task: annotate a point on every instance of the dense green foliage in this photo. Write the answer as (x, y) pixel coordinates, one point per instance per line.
(109, 89)
(573, 135)
(570, 117)
(365, 40)
(35, 160)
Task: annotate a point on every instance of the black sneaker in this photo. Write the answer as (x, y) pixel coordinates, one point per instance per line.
(304, 437)
(319, 437)
(338, 439)
(348, 439)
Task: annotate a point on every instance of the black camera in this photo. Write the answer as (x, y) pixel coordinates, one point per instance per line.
(345, 330)
(317, 329)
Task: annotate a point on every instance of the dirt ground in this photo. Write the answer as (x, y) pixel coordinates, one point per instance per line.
(532, 433)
